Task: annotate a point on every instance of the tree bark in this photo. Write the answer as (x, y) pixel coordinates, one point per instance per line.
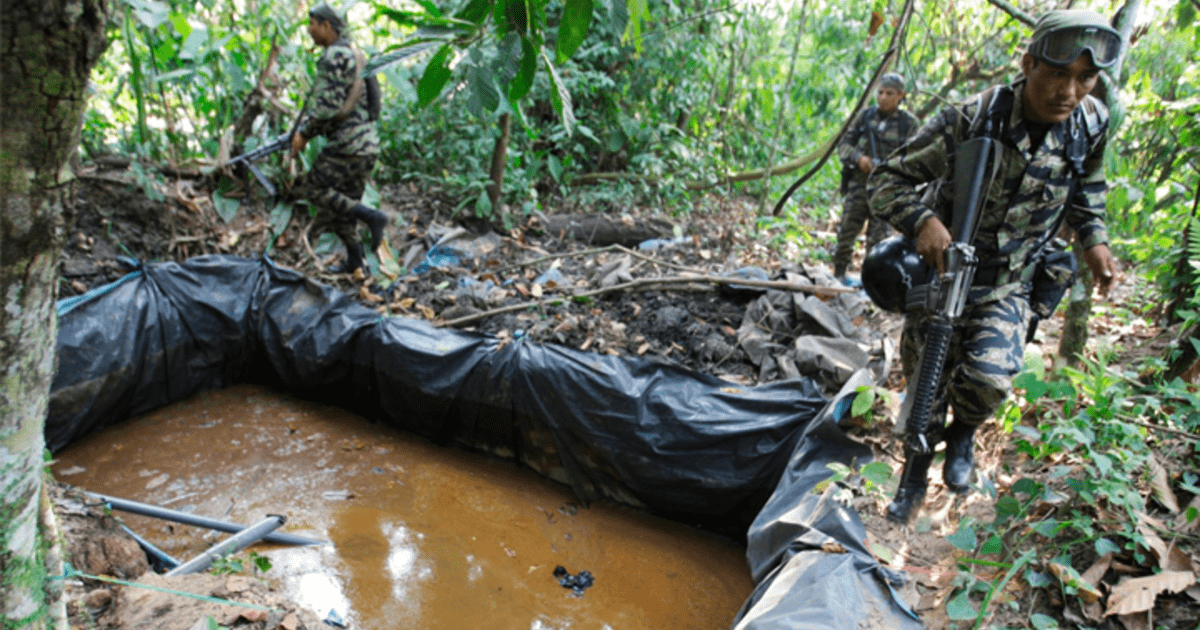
(495, 189)
(48, 49)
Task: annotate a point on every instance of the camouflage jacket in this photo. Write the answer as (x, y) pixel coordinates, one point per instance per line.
(1026, 197)
(889, 132)
(336, 72)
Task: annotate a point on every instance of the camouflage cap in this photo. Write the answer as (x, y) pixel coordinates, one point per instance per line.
(892, 80)
(327, 13)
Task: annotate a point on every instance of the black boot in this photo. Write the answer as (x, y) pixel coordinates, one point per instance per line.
(960, 457)
(374, 219)
(911, 493)
(354, 259)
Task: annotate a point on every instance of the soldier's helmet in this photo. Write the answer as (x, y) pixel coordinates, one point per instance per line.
(891, 269)
(1060, 36)
(892, 80)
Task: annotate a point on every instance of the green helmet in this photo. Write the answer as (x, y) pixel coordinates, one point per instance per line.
(892, 80)
(1061, 36)
(327, 13)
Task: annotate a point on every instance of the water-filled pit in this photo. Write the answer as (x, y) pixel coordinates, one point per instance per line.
(421, 536)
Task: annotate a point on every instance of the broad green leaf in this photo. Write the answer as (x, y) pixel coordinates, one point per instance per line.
(430, 8)
(560, 97)
(959, 608)
(437, 73)
(1043, 622)
(520, 85)
(993, 545)
(577, 16)
(484, 97)
(638, 10)
(1105, 546)
(863, 401)
(1037, 579)
(512, 15)
(151, 13)
(226, 207)
(1007, 507)
(475, 11)
(281, 215)
(878, 473)
(1025, 485)
(963, 539)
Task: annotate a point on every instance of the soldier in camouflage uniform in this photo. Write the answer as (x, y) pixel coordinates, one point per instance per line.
(875, 133)
(1052, 136)
(339, 108)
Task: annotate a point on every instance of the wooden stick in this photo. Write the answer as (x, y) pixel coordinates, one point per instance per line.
(642, 284)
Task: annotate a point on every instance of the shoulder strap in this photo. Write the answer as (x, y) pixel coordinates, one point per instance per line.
(356, 90)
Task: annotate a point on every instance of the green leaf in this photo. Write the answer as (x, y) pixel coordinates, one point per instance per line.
(475, 11)
(1037, 579)
(512, 15)
(1191, 513)
(1007, 507)
(560, 97)
(959, 608)
(226, 207)
(1105, 546)
(520, 85)
(484, 97)
(878, 473)
(863, 401)
(576, 17)
(281, 215)
(994, 544)
(1043, 622)
(437, 73)
(1026, 486)
(964, 538)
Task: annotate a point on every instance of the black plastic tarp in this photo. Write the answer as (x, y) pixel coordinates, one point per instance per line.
(670, 440)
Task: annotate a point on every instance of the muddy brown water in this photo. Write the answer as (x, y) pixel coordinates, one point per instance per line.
(421, 536)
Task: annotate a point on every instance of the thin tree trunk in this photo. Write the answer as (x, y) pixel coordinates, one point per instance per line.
(48, 50)
(1075, 324)
(499, 161)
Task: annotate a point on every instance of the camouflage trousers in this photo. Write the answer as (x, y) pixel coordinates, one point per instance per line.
(335, 184)
(986, 351)
(856, 213)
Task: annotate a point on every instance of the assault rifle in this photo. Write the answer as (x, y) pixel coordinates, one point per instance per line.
(945, 298)
(280, 143)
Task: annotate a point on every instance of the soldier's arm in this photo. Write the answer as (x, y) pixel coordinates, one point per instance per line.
(848, 151)
(335, 76)
(924, 158)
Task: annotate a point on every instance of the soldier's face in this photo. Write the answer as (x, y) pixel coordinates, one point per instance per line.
(888, 99)
(1053, 92)
(322, 32)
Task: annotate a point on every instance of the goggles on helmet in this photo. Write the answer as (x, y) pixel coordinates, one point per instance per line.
(1062, 46)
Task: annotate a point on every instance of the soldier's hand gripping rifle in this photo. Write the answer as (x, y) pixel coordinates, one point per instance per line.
(944, 298)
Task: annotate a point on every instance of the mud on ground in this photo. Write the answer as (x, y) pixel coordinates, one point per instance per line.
(679, 302)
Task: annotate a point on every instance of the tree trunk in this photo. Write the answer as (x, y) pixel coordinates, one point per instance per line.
(495, 189)
(48, 49)
(1075, 323)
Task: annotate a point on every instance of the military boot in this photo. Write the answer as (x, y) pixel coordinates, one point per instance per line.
(374, 219)
(960, 456)
(354, 259)
(911, 493)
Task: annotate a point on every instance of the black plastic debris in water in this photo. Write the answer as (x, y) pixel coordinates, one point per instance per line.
(673, 441)
(577, 583)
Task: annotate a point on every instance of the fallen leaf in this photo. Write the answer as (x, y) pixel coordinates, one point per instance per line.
(1138, 594)
(1160, 486)
(642, 349)
(290, 622)
(1136, 621)
(536, 290)
(1069, 576)
(1097, 570)
(833, 547)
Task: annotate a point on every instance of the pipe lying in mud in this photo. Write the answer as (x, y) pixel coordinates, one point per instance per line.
(153, 511)
(159, 558)
(231, 545)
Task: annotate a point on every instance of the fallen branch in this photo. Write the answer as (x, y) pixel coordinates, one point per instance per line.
(643, 283)
(308, 248)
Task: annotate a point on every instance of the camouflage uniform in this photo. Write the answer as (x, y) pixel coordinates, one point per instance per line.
(889, 132)
(1022, 204)
(339, 175)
